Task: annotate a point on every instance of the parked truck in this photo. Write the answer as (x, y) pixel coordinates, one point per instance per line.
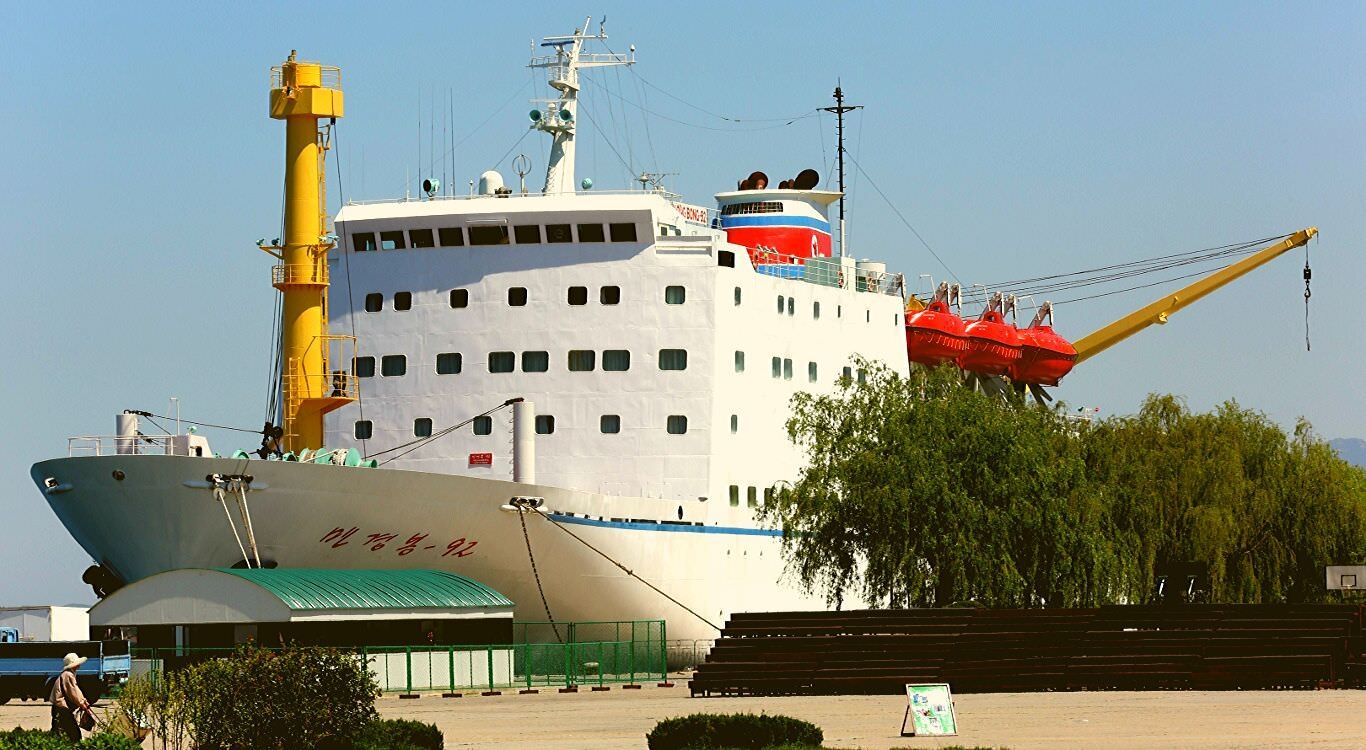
(27, 667)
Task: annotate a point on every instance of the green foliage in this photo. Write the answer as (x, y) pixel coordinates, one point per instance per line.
(399, 734)
(738, 731)
(41, 739)
(109, 741)
(293, 698)
(32, 739)
(920, 492)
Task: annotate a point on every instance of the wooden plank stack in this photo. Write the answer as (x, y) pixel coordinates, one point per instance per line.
(1201, 647)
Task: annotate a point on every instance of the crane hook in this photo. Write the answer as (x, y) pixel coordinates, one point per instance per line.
(1308, 274)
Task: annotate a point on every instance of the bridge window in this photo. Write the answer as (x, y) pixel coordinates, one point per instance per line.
(535, 361)
(449, 363)
(391, 240)
(753, 207)
(737, 296)
(791, 305)
(482, 425)
(675, 295)
(451, 236)
(591, 233)
(460, 298)
(517, 296)
(488, 234)
(782, 303)
(578, 295)
(610, 424)
(751, 497)
(673, 359)
(393, 365)
(545, 424)
(502, 361)
(735, 495)
(811, 372)
(616, 360)
(422, 427)
(677, 424)
(623, 232)
(403, 300)
(558, 233)
(364, 429)
(363, 242)
(582, 360)
(421, 238)
(734, 423)
(816, 310)
(739, 361)
(787, 369)
(777, 367)
(610, 295)
(374, 302)
(527, 234)
(364, 367)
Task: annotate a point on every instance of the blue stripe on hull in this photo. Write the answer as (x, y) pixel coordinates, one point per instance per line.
(677, 528)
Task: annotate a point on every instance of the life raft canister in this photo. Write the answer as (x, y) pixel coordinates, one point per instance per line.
(1045, 357)
(935, 335)
(993, 345)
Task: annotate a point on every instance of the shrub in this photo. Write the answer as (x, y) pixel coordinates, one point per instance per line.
(32, 739)
(399, 734)
(109, 741)
(739, 731)
(295, 698)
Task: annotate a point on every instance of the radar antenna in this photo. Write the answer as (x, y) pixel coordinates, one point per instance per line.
(558, 118)
(653, 181)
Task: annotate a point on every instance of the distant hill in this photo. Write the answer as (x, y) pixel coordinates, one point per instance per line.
(1352, 450)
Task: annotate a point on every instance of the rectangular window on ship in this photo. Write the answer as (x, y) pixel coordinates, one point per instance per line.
(393, 365)
(391, 240)
(449, 363)
(363, 242)
(364, 367)
(451, 236)
(582, 360)
(535, 361)
(616, 360)
(421, 238)
(623, 232)
(527, 234)
(591, 233)
(502, 361)
(673, 359)
(558, 233)
(488, 234)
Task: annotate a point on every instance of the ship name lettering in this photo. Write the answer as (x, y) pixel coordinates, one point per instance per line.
(338, 536)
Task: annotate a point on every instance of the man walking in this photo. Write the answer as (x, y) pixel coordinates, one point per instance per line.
(67, 699)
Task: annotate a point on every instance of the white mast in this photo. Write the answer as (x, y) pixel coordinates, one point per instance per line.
(560, 115)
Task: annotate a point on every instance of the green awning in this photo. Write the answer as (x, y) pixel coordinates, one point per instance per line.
(329, 589)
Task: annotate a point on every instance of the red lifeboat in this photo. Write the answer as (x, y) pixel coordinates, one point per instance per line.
(935, 335)
(993, 345)
(1045, 357)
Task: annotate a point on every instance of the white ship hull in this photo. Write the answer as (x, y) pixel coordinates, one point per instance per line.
(162, 515)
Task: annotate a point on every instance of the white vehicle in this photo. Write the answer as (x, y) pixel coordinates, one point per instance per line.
(654, 345)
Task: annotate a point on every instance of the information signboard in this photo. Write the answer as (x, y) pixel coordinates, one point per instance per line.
(929, 710)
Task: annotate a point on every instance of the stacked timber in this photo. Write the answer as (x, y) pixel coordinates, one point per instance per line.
(1203, 647)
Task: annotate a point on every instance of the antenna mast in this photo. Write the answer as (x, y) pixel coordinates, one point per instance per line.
(559, 116)
(839, 109)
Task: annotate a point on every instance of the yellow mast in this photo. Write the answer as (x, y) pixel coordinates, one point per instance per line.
(301, 93)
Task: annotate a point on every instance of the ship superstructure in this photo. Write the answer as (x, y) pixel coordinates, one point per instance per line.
(649, 347)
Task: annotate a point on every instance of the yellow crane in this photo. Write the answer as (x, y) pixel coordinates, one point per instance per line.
(302, 93)
(1158, 311)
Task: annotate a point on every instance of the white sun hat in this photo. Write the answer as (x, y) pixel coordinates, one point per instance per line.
(71, 661)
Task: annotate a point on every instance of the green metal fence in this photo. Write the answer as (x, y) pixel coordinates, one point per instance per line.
(624, 653)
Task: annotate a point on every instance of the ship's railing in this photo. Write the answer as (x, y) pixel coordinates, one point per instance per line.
(111, 445)
(835, 272)
(329, 75)
(514, 195)
(298, 273)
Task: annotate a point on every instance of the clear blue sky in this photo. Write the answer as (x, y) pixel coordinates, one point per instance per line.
(1019, 139)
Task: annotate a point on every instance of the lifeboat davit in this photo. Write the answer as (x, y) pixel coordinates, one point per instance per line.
(1045, 357)
(993, 345)
(935, 335)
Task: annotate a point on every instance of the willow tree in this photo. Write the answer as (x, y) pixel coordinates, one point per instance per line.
(919, 492)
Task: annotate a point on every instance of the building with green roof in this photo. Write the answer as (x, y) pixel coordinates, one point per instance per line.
(212, 607)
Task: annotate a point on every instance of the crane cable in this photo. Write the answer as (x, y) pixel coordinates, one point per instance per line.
(1308, 274)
